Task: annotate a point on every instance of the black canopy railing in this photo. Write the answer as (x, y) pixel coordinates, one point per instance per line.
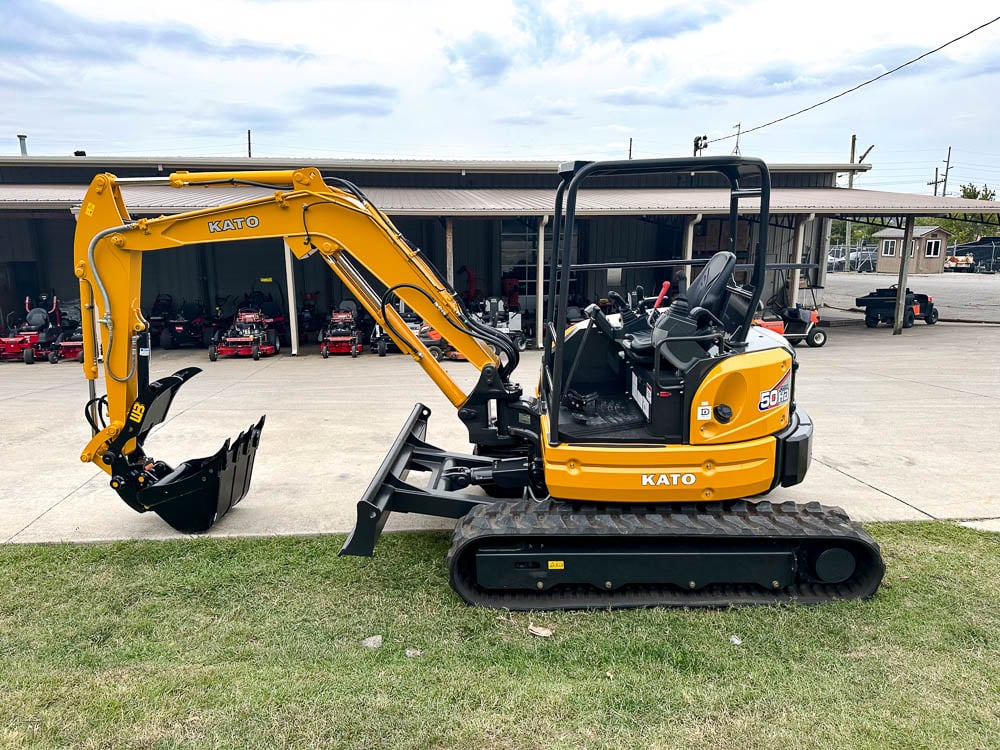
(748, 178)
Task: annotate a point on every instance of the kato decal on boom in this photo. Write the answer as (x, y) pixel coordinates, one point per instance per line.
(230, 225)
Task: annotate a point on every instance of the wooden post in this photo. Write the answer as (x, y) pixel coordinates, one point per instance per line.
(293, 320)
(847, 222)
(540, 283)
(800, 238)
(904, 262)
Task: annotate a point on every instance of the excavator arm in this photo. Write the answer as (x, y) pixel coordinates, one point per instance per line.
(359, 244)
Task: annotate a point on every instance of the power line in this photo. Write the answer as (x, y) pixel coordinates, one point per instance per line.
(860, 85)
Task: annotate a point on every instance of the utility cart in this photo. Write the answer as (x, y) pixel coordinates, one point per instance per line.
(880, 306)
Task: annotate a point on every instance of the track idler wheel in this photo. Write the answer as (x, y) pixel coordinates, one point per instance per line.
(834, 565)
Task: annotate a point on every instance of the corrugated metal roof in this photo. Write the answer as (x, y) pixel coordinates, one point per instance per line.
(917, 231)
(212, 163)
(157, 199)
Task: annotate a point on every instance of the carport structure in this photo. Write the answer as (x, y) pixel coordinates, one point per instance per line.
(479, 222)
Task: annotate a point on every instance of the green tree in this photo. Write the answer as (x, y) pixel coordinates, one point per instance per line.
(966, 231)
(859, 233)
(981, 194)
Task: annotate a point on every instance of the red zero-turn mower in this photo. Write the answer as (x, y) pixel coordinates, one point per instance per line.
(341, 335)
(69, 342)
(274, 310)
(189, 325)
(247, 337)
(69, 345)
(15, 345)
(311, 319)
(437, 346)
(33, 338)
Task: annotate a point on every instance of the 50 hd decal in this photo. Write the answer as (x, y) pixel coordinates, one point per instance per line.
(778, 395)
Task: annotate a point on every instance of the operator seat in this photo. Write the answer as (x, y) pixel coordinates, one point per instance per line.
(689, 314)
(708, 292)
(493, 310)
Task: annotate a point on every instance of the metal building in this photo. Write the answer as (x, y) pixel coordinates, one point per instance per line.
(481, 223)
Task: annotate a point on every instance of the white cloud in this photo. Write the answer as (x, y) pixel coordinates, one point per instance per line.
(517, 79)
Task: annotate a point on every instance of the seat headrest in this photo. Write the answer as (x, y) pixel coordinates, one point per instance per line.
(709, 289)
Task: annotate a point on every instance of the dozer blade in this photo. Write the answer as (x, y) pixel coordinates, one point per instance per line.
(389, 491)
(198, 492)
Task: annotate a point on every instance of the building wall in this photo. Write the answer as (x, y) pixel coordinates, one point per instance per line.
(919, 263)
(36, 255)
(200, 273)
(626, 239)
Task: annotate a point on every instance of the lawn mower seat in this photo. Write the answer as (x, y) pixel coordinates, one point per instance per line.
(493, 310)
(248, 320)
(349, 305)
(36, 321)
(704, 301)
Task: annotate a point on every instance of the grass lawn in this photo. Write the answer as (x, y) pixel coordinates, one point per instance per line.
(257, 643)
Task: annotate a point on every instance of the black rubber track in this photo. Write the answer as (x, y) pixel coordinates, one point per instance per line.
(808, 526)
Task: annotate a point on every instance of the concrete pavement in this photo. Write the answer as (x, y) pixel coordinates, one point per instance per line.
(959, 297)
(906, 429)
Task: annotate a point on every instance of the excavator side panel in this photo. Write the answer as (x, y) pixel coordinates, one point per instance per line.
(659, 473)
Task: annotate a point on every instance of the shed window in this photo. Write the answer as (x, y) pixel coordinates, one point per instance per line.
(933, 249)
(889, 247)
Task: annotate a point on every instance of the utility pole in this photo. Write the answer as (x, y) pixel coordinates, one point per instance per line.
(248, 143)
(630, 149)
(947, 168)
(847, 223)
(736, 151)
(904, 265)
(850, 184)
(937, 181)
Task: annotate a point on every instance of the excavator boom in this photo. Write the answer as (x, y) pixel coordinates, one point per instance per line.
(359, 244)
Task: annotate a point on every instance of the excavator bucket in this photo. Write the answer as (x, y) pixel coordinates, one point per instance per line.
(196, 493)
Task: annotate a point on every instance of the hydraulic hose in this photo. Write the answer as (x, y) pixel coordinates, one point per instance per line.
(106, 320)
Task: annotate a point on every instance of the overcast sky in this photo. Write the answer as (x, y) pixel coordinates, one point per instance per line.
(506, 79)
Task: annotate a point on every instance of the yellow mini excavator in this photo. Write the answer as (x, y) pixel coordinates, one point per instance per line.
(622, 481)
